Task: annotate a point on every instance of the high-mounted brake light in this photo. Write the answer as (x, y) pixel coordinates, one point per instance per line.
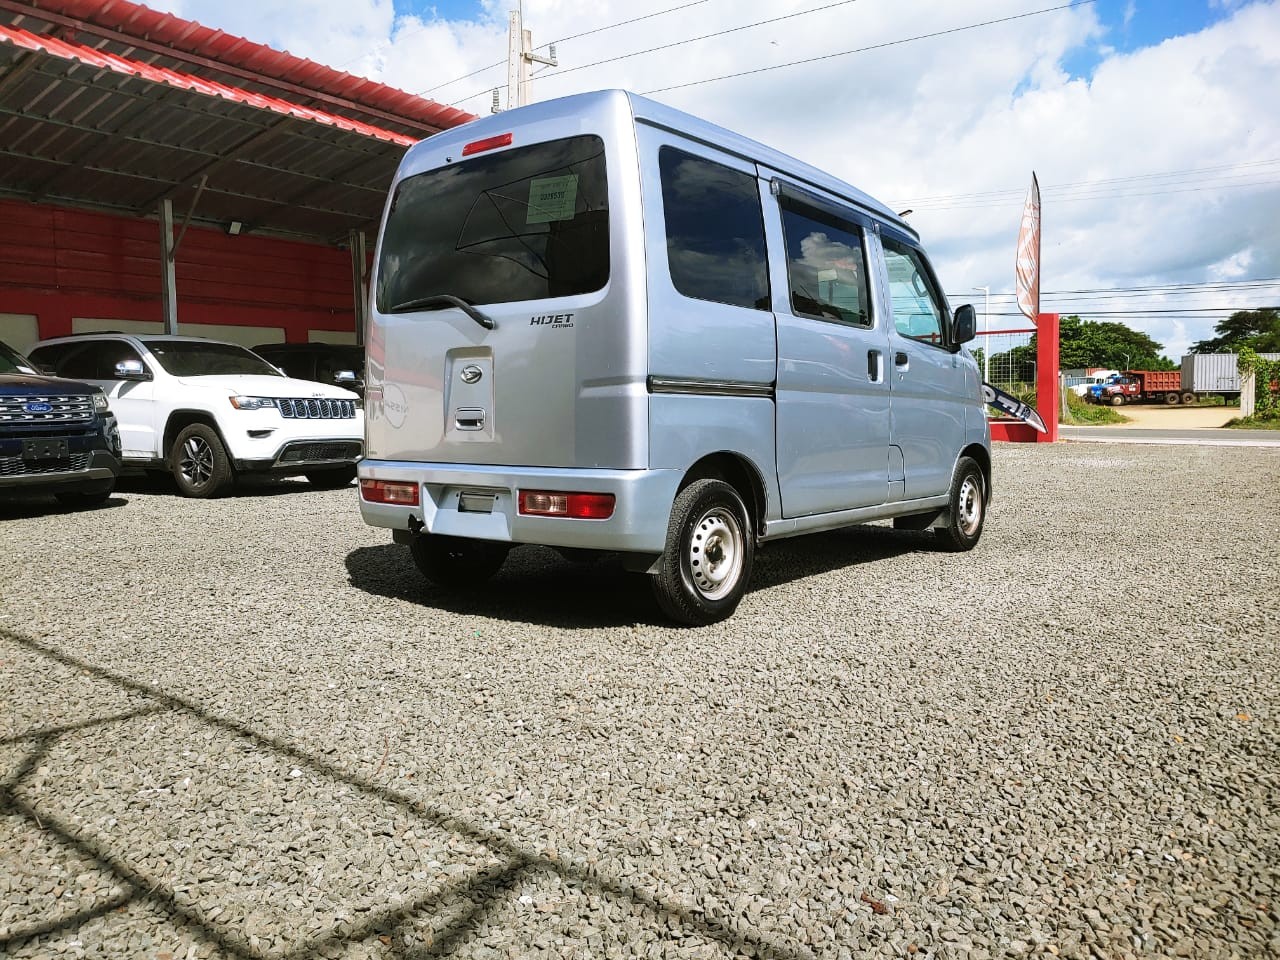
(389, 491)
(575, 506)
(489, 143)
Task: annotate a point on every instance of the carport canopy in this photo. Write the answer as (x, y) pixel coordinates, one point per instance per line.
(116, 107)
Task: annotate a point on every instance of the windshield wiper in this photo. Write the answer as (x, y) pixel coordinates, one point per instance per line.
(445, 300)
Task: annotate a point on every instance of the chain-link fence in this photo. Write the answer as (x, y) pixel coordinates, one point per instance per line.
(1007, 361)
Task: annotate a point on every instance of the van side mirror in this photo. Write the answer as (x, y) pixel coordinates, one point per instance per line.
(964, 326)
(131, 370)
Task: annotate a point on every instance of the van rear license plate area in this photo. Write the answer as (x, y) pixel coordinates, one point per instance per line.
(472, 502)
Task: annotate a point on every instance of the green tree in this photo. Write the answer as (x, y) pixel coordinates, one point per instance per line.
(1084, 343)
(1257, 329)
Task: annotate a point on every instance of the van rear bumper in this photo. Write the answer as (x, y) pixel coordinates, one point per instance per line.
(638, 524)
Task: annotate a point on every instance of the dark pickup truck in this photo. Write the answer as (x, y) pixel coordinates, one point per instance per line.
(56, 436)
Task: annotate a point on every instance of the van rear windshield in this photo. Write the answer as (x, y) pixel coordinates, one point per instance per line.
(523, 224)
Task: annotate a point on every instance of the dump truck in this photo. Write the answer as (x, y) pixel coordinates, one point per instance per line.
(1146, 386)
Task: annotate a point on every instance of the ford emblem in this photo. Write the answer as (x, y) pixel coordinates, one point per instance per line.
(471, 373)
(38, 406)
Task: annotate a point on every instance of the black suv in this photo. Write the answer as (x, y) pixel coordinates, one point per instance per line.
(56, 436)
(320, 362)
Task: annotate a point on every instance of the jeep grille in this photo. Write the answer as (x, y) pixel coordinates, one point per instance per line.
(316, 409)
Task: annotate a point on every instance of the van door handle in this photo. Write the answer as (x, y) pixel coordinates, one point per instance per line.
(899, 359)
(874, 373)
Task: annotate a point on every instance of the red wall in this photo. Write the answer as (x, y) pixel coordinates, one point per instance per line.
(58, 263)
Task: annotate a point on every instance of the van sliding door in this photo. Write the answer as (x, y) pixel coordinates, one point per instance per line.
(832, 390)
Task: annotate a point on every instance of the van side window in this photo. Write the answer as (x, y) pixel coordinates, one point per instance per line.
(825, 266)
(715, 231)
(917, 308)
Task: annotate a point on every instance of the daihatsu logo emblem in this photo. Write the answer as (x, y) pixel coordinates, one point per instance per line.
(471, 374)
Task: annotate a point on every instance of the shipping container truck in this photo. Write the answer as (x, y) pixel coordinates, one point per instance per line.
(1215, 373)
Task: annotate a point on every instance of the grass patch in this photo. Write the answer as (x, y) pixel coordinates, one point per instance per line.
(1254, 423)
(1082, 413)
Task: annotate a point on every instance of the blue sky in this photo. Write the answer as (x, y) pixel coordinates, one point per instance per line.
(1133, 24)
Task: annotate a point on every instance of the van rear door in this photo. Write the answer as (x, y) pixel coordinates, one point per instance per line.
(492, 340)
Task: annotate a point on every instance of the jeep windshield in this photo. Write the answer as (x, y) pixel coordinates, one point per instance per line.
(194, 358)
(11, 361)
(523, 224)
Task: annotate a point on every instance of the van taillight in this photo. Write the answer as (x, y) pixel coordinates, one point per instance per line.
(575, 506)
(489, 143)
(389, 491)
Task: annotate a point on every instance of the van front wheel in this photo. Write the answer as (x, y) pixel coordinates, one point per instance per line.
(457, 562)
(968, 508)
(709, 551)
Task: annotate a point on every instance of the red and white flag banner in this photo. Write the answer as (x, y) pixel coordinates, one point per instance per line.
(1027, 268)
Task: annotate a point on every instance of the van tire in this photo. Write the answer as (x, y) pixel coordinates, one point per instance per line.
(967, 510)
(457, 562)
(199, 462)
(710, 548)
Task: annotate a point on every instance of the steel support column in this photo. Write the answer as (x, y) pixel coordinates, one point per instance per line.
(168, 277)
(359, 281)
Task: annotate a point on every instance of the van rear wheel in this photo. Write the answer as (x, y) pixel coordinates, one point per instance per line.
(457, 562)
(709, 552)
(968, 508)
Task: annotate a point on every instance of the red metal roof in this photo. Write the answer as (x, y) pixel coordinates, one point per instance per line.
(182, 81)
(112, 106)
(165, 33)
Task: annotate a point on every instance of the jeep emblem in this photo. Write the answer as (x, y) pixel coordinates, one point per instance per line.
(471, 373)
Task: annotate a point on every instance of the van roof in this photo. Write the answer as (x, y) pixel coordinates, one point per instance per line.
(648, 111)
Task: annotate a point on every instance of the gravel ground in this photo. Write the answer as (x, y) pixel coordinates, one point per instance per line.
(248, 728)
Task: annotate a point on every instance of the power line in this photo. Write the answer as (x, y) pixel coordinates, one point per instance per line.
(1121, 195)
(1051, 188)
(708, 36)
(679, 43)
(1171, 288)
(877, 46)
(1189, 313)
(575, 36)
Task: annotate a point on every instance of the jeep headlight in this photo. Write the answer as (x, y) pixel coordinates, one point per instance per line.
(99, 403)
(253, 403)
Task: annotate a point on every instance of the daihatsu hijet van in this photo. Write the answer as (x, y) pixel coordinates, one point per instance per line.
(600, 324)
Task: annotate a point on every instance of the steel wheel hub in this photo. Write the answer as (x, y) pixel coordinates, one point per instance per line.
(969, 506)
(715, 554)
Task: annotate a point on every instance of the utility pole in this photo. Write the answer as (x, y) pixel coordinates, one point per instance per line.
(519, 57)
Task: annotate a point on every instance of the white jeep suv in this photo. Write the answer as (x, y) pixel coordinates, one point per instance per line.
(207, 411)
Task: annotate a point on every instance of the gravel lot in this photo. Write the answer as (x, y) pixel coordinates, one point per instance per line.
(247, 728)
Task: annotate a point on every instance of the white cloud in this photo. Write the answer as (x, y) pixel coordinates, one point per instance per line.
(969, 113)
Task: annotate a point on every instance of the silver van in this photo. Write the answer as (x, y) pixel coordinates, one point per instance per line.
(603, 325)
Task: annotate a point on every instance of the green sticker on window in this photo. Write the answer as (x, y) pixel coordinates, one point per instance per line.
(552, 198)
